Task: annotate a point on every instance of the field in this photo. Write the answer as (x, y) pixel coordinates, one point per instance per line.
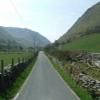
(7, 57)
(89, 43)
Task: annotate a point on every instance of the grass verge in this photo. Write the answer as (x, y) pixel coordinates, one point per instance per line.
(11, 92)
(89, 43)
(81, 92)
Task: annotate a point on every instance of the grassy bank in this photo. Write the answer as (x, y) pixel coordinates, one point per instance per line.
(89, 43)
(11, 92)
(81, 92)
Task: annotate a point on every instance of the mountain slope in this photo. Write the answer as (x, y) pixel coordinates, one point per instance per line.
(27, 38)
(89, 23)
(89, 43)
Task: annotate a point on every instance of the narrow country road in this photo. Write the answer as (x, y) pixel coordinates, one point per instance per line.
(44, 83)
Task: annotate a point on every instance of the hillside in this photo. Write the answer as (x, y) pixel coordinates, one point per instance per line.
(89, 43)
(89, 23)
(7, 41)
(27, 38)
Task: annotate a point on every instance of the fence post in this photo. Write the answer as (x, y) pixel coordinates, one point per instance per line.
(18, 60)
(22, 60)
(2, 75)
(25, 59)
(2, 67)
(12, 64)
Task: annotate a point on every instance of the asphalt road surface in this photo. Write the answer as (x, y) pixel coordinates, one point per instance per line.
(45, 83)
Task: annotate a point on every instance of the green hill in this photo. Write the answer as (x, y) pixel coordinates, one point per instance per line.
(85, 33)
(89, 23)
(27, 37)
(89, 43)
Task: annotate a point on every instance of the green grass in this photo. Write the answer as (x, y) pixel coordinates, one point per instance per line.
(7, 57)
(81, 92)
(89, 43)
(11, 92)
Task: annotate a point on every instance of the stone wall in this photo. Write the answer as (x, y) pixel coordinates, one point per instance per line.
(84, 80)
(88, 82)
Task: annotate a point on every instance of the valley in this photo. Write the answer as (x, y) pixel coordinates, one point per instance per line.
(33, 67)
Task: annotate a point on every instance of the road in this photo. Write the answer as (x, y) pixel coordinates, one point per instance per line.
(45, 83)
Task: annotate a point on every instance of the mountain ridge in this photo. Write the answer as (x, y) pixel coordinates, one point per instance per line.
(26, 35)
(14, 37)
(88, 23)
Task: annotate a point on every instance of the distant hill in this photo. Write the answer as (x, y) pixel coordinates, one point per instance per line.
(18, 38)
(26, 37)
(89, 23)
(6, 40)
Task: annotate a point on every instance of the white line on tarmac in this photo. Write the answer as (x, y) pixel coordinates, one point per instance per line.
(17, 95)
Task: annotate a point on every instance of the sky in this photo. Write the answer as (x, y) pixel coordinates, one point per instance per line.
(51, 18)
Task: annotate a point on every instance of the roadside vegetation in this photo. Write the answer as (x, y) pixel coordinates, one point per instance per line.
(81, 92)
(89, 43)
(70, 68)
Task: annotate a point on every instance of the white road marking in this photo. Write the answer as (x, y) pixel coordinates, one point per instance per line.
(17, 95)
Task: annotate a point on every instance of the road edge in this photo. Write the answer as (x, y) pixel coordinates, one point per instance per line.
(25, 83)
(66, 84)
